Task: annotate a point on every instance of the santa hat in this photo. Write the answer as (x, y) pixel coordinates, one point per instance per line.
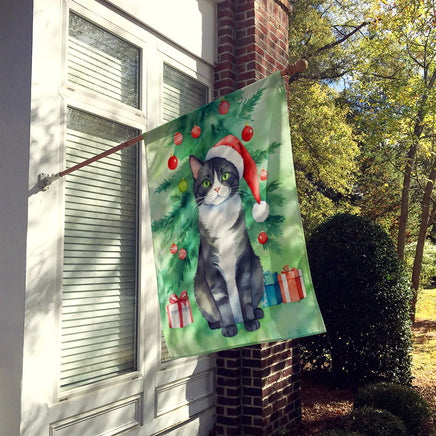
(231, 148)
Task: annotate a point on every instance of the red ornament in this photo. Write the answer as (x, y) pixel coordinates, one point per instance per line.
(224, 107)
(172, 162)
(263, 175)
(182, 254)
(195, 132)
(178, 138)
(247, 133)
(263, 238)
(173, 249)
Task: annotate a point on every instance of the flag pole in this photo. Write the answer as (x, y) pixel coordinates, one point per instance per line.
(45, 180)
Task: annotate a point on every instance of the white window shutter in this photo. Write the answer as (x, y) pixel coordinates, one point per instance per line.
(98, 324)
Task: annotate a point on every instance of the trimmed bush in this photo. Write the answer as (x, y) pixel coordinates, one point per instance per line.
(376, 422)
(402, 401)
(364, 299)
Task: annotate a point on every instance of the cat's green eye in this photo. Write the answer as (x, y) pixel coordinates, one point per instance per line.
(206, 183)
(225, 176)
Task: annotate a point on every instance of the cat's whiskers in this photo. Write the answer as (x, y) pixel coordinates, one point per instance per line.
(201, 200)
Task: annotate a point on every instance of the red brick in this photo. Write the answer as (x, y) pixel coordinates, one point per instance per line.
(224, 65)
(233, 392)
(226, 48)
(247, 75)
(224, 12)
(250, 39)
(252, 411)
(229, 401)
(226, 21)
(226, 84)
(245, 6)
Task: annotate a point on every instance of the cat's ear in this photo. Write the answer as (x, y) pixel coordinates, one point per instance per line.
(196, 164)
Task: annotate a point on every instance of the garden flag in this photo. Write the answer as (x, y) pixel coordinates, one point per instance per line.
(229, 247)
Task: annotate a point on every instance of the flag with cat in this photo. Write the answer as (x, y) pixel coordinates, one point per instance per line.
(229, 248)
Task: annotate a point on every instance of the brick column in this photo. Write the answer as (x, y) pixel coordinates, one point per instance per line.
(258, 387)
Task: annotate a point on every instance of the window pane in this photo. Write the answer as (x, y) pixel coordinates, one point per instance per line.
(181, 94)
(99, 303)
(102, 62)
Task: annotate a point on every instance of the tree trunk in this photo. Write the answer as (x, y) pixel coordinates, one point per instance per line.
(426, 221)
(410, 159)
(404, 214)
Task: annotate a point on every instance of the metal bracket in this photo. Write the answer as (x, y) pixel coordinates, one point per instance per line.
(45, 180)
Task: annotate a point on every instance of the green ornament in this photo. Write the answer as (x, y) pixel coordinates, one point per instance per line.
(183, 185)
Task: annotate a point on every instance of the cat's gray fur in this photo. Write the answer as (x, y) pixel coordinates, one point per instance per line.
(229, 282)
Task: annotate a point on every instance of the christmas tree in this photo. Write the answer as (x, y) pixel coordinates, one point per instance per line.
(195, 133)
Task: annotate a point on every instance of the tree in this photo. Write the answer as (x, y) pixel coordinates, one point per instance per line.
(325, 34)
(397, 82)
(384, 53)
(325, 150)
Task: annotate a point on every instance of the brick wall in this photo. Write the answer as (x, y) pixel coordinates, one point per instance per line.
(252, 42)
(258, 387)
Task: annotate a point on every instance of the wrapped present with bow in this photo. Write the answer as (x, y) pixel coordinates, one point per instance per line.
(179, 311)
(272, 295)
(291, 285)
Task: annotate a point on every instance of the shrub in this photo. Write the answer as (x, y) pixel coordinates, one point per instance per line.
(402, 401)
(364, 299)
(375, 422)
(341, 433)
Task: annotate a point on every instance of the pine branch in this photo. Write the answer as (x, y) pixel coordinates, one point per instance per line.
(173, 181)
(248, 106)
(260, 155)
(274, 197)
(165, 223)
(275, 220)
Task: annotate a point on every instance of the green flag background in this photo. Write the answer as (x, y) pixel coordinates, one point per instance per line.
(261, 107)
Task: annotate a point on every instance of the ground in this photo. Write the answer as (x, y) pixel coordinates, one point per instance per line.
(323, 406)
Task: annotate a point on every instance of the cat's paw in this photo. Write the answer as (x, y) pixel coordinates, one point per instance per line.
(258, 313)
(251, 325)
(230, 331)
(214, 325)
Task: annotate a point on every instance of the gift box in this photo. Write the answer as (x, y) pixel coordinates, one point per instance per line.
(179, 311)
(291, 285)
(272, 295)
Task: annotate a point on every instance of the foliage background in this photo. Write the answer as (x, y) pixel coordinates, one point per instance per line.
(363, 117)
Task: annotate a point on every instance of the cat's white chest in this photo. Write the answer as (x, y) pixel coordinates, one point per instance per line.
(219, 220)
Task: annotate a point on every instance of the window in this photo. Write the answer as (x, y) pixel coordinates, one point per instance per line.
(99, 285)
(181, 94)
(102, 62)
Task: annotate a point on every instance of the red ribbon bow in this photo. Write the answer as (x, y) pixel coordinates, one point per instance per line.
(175, 299)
